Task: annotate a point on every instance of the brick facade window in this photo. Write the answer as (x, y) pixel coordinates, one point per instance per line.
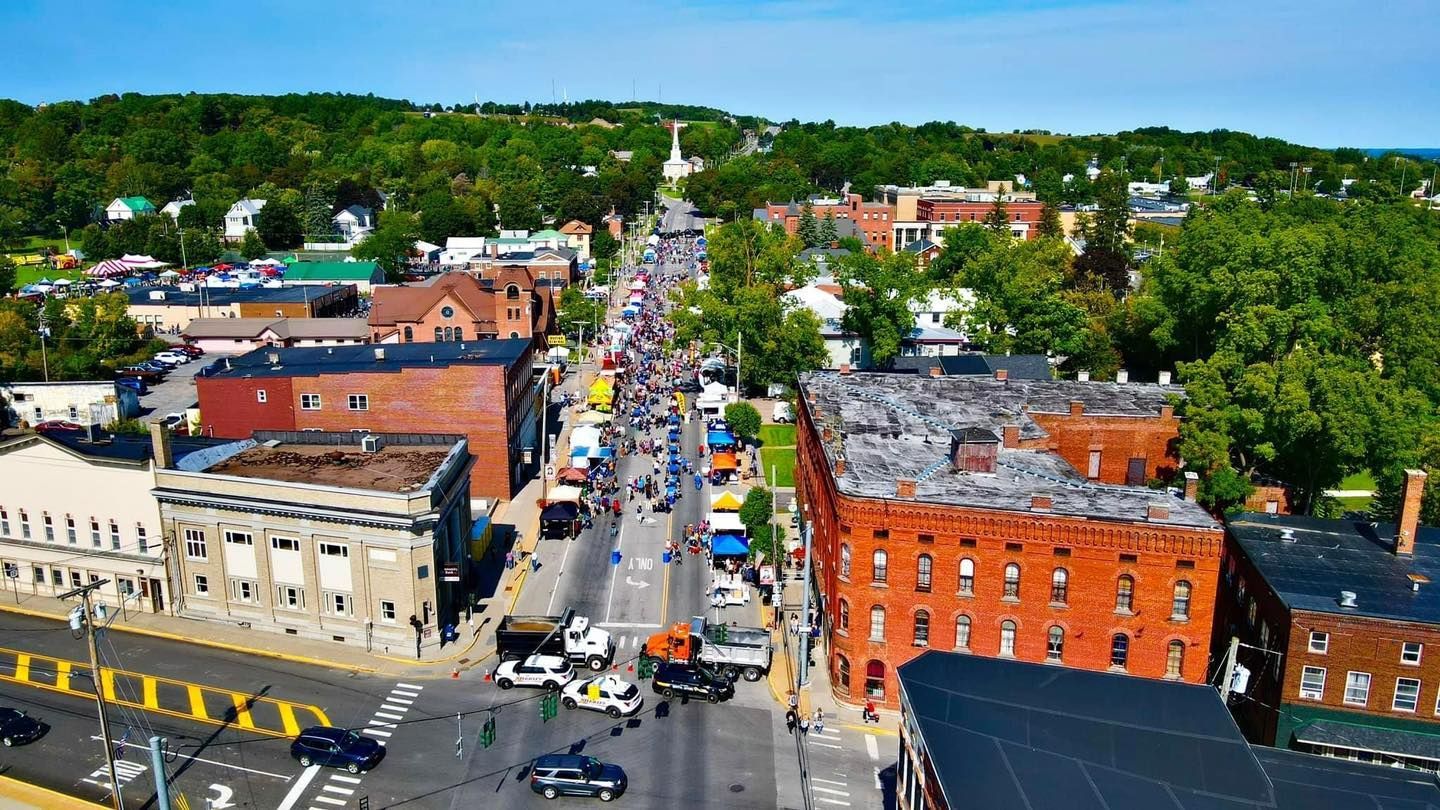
(1319, 642)
(1407, 695)
(877, 623)
(1180, 602)
(1174, 658)
(1012, 581)
(844, 615)
(967, 576)
(1007, 638)
(962, 632)
(842, 671)
(1059, 586)
(1055, 643)
(1357, 688)
(878, 566)
(923, 568)
(845, 561)
(1410, 653)
(875, 680)
(1312, 683)
(921, 636)
(1119, 651)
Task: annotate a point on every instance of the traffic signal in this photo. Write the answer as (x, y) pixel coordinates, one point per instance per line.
(487, 733)
(549, 706)
(722, 634)
(645, 668)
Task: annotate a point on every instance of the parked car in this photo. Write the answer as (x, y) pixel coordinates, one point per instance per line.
(58, 426)
(177, 358)
(782, 413)
(546, 671)
(176, 422)
(556, 775)
(673, 679)
(135, 384)
(140, 372)
(18, 728)
(193, 351)
(157, 364)
(336, 748)
(603, 693)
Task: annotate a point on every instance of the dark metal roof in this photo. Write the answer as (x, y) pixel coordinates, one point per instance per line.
(224, 296)
(1018, 366)
(974, 435)
(1330, 556)
(1008, 734)
(129, 447)
(311, 361)
(1370, 738)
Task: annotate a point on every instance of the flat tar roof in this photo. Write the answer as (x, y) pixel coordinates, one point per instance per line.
(890, 427)
(310, 361)
(394, 468)
(224, 296)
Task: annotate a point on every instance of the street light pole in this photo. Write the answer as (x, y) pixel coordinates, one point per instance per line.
(82, 618)
(804, 668)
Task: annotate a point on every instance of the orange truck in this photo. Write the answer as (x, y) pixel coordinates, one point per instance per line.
(738, 652)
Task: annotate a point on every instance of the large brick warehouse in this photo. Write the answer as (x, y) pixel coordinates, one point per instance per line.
(480, 388)
(992, 516)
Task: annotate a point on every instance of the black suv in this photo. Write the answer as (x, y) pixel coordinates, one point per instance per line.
(684, 679)
(555, 775)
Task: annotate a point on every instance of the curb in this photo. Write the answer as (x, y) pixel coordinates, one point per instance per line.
(219, 645)
(20, 793)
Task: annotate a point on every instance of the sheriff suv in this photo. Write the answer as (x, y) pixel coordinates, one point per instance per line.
(673, 679)
(545, 671)
(603, 693)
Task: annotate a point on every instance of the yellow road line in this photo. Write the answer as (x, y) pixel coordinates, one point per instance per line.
(148, 694)
(22, 667)
(242, 710)
(287, 717)
(62, 676)
(197, 702)
(107, 683)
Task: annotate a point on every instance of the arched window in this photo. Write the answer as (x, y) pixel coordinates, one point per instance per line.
(879, 562)
(967, 575)
(842, 671)
(1059, 585)
(845, 560)
(1180, 602)
(449, 334)
(1119, 650)
(844, 615)
(1174, 658)
(409, 335)
(923, 567)
(875, 679)
(512, 292)
(962, 632)
(922, 629)
(877, 623)
(1124, 593)
(459, 333)
(1012, 581)
(1055, 643)
(439, 335)
(1007, 638)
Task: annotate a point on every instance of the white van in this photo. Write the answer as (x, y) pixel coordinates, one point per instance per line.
(782, 413)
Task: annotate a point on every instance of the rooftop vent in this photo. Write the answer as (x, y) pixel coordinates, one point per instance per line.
(1122, 376)
(379, 354)
(1083, 376)
(1347, 599)
(274, 358)
(1287, 535)
(370, 444)
(1164, 378)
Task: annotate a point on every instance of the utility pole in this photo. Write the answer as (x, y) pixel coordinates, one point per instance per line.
(804, 668)
(82, 619)
(1228, 676)
(44, 358)
(739, 348)
(157, 769)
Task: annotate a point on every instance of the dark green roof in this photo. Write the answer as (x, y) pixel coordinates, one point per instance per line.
(331, 271)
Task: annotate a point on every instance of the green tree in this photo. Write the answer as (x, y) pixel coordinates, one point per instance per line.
(829, 234)
(1020, 303)
(389, 245)
(962, 244)
(997, 218)
(603, 245)
(808, 230)
(252, 246)
(7, 275)
(878, 292)
(279, 226)
(1179, 187)
(519, 206)
(744, 420)
(441, 217)
(577, 313)
(13, 226)
(316, 208)
(1050, 224)
(758, 509)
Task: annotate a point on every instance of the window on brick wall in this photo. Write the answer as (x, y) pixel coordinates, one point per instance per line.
(1007, 638)
(1180, 601)
(1410, 653)
(309, 402)
(1124, 594)
(1174, 658)
(845, 560)
(842, 670)
(1407, 695)
(1012, 581)
(875, 679)
(1319, 642)
(878, 564)
(1055, 643)
(844, 615)
(877, 623)
(921, 635)
(1119, 651)
(359, 402)
(962, 632)
(923, 567)
(1357, 688)
(967, 575)
(1312, 683)
(1059, 586)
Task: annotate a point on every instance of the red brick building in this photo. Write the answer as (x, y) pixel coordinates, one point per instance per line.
(459, 307)
(871, 218)
(992, 516)
(405, 388)
(1338, 623)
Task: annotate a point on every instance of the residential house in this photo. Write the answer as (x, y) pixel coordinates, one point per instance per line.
(925, 252)
(578, 235)
(128, 208)
(87, 403)
(242, 217)
(172, 208)
(336, 537)
(460, 250)
(353, 222)
(842, 347)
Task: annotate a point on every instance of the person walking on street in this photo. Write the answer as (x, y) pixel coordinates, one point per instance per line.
(819, 721)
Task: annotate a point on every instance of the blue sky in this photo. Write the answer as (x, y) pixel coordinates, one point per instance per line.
(1321, 72)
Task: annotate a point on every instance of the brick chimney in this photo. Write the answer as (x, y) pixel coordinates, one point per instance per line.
(1002, 374)
(1077, 408)
(1167, 411)
(1040, 503)
(845, 368)
(1164, 378)
(1083, 376)
(1011, 436)
(1157, 511)
(1410, 499)
(1122, 376)
(839, 466)
(1192, 485)
(936, 371)
(160, 446)
(905, 488)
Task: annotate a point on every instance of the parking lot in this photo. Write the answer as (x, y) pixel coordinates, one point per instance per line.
(175, 394)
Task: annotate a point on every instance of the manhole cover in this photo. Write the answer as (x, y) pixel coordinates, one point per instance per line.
(737, 788)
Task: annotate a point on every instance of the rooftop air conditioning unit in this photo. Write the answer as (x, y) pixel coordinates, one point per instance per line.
(379, 353)
(370, 444)
(1287, 535)
(1347, 599)
(274, 358)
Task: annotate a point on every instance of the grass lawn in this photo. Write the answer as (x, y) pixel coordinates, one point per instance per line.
(1355, 504)
(33, 273)
(777, 435)
(1360, 480)
(783, 460)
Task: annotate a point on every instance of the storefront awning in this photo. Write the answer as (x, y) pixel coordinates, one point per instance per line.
(1390, 741)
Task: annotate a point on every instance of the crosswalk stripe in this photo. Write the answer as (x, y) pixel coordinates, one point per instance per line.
(400, 700)
(828, 781)
(404, 693)
(389, 716)
(347, 791)
(389, 708)
(409, 686)
(349, 780)
(328, 800)
(376, 732)
(381, 723)
(832, 791)
(872, 747)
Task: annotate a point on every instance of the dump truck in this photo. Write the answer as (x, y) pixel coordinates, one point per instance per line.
(738, 652)
(568, 635)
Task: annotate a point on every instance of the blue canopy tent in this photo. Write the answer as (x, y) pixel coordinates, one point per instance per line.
(719, 439)
(730, 545)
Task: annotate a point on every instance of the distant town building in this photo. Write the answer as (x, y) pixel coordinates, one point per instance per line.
(1001, 517)
(97, 403)
(676, 166)
(364, 275)
(122, 208)
(578, 237)
(241, 335)
(853, 217)
(460, 307)
(173, 208)
(172, 308)
(242, 217)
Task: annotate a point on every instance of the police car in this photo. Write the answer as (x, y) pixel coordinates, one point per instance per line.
(545, 671)
(603, 693)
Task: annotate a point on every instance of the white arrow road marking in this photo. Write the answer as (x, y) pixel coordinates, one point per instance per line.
(223, 802)
(642, 584)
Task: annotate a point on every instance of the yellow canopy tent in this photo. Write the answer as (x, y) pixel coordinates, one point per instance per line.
(601, 394)
(726, 501)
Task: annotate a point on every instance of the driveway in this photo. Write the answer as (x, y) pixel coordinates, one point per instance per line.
(175, 394)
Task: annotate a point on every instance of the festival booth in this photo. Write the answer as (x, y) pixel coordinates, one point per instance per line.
(725, 501)
(110, 268)
(560, 520)
(594, 418)
(726, 523)
(723, 468)
(720, 441)
(571, 475)
(730, 546)
(601, 395)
